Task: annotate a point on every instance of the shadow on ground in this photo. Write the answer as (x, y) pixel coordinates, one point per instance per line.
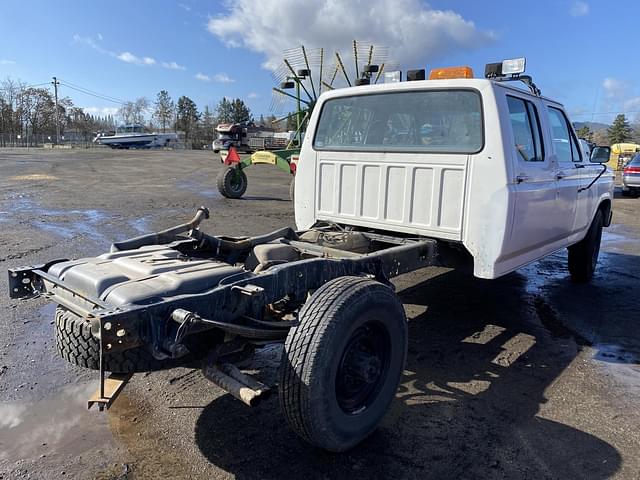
(481, 354)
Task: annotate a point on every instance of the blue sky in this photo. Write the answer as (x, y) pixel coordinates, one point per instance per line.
(583, 53)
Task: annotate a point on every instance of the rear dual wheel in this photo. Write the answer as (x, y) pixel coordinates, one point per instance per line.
(342, 364)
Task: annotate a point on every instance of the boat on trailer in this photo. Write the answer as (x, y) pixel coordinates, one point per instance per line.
(135, 136)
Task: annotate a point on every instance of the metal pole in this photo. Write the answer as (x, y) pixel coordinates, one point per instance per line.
(55, 90)
(298, 112)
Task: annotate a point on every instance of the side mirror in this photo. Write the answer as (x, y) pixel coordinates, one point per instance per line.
(600, 154)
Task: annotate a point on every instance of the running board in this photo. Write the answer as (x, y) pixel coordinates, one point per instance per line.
(109, 390)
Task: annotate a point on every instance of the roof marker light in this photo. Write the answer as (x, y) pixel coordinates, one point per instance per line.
(450, 72)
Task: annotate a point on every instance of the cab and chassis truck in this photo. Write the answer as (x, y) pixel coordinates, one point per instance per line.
(391, 178)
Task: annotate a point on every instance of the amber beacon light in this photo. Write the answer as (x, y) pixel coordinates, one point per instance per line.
(450, 72)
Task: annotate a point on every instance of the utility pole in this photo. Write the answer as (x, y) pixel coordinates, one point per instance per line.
(55, 90)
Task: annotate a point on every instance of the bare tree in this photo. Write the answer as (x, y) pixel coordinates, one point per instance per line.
(134, 112)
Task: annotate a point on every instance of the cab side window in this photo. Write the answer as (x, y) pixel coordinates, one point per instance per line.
(527, 134)
(564, 142)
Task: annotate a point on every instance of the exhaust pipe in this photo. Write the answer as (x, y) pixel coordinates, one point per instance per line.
(162, 237)
(243, 387)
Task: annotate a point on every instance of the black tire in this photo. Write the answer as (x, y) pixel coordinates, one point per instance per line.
(342, 364)
(292, 189)
(232, 182)
(75, 344)
(583, 256)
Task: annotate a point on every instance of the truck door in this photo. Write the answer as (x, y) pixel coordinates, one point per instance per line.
(533, 185)
(567, 157)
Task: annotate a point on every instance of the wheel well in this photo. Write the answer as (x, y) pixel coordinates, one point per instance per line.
(605, 206)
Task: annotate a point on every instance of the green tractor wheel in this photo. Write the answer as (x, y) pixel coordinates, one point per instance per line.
(232, 182)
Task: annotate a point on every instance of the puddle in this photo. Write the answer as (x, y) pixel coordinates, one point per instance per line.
(613, 353)
(63, 223)
(196, 187)
(57, 425)
(141, 225)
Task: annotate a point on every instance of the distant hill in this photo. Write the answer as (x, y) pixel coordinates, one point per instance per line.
(593, 126)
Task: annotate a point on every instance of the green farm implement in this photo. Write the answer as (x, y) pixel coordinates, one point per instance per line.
(302, 72)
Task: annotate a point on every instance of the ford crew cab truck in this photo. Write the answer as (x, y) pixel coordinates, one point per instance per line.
(391, 178)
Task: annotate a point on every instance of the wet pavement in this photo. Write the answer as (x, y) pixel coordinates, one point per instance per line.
(528, 376)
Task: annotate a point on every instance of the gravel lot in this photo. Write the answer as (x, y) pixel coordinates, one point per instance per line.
(528, 376)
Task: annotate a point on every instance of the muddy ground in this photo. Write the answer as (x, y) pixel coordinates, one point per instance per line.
(529, 376)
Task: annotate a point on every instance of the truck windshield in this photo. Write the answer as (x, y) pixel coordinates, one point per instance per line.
(444, 121)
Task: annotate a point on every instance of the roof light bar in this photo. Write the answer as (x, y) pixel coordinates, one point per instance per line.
(514, 66)
(413, 75)
(450, 72)
(393, 77)
(511, 70)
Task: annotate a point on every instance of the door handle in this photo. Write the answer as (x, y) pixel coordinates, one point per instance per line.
(522, 178)
(560, 175)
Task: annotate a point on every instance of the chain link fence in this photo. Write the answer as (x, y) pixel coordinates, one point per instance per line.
(42, 140)
(17, 140)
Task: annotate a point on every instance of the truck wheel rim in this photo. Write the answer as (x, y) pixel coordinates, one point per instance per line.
(363, 368)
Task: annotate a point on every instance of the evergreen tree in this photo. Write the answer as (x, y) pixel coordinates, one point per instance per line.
(164, 109)
(234, 111)
(240, 112)
(620, 131)
(224, 111)
(292, 122)
(585, 133)
(187, 117)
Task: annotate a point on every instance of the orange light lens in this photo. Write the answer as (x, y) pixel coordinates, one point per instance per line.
(450, 72)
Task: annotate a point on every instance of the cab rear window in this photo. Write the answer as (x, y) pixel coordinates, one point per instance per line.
(443, 121)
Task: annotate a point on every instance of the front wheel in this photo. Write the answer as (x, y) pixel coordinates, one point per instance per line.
(583, 256)
(232, 182)
(342, 364)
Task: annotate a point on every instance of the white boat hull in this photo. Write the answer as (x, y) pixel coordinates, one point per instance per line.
(149, 140)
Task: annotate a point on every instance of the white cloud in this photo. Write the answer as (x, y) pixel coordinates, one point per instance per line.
(91, 43)
(620, 96)
(218, 77)
(415, 33)
(186, 8)
(173, 66)
(100, 111)
(253, 95)
(5, 61)
(614, 89)
(100, 36)
(126, 56)
(131, 58)
(579, 9)
(223, 78)
(632, 107)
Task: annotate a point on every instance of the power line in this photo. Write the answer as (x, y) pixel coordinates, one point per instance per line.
(38, 85)
(92, 92)
(97, 95)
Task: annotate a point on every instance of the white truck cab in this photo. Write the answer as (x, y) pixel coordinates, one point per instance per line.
(478, 162)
